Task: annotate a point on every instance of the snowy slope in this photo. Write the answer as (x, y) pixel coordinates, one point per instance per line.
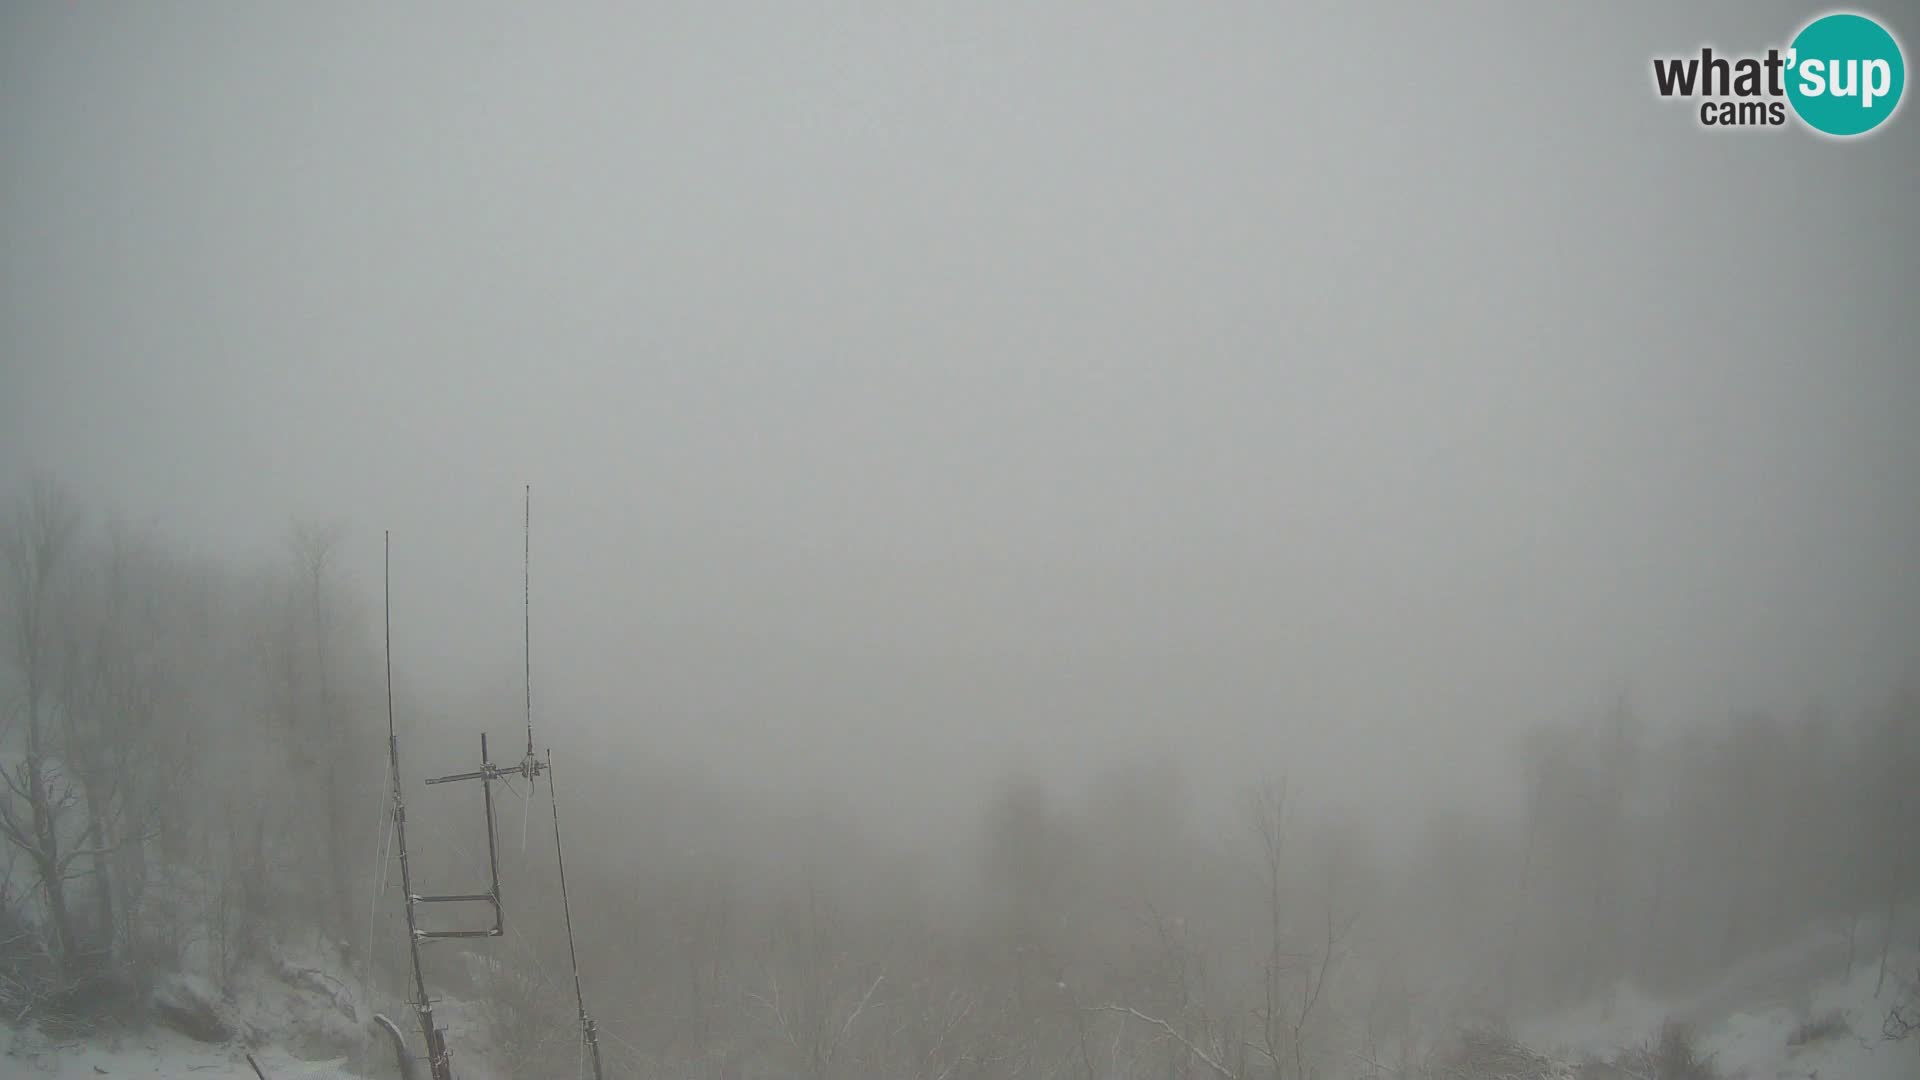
(1756, 1044)
(157, 1054)
(299, 1016)
(1749, 1019)
(162, 1054)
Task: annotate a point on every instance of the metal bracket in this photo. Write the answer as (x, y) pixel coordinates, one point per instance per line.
(529, 767)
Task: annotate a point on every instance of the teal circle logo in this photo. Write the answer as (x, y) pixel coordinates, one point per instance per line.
(1845, 74)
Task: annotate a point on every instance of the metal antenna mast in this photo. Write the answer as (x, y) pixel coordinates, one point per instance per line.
(588, 1029)
(587, 1026)
(437, 1062)
(526, 609)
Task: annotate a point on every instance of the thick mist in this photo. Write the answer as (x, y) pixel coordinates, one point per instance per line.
(1080, 417)
(902, 391)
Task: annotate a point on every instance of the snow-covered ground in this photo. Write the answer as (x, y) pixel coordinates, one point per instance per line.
(308, 1025)
(164, 1055)
(1751, 1019)
(299, 1016)
(151, 1054)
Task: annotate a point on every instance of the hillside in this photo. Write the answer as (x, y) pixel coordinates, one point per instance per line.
(298, 1015)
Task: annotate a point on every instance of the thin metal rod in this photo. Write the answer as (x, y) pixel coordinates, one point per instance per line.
(526, 607)
(587, 1026)
(436, 1047)
(493, 847)
(532, 769)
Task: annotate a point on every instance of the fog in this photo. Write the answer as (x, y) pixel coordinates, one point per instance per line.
(912, 401)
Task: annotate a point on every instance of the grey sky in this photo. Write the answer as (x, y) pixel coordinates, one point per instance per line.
(907, 393)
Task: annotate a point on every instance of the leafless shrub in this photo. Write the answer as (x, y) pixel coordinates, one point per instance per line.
(527, 1028)
(1819, 1029)
(1904, 1019)
(1673, 1055)
(1488, 1053)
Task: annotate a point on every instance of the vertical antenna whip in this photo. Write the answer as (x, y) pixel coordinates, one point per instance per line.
(386, 601)
(526, 609)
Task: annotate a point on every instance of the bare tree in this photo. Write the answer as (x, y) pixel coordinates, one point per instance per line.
(1196, 1030)
(1266, 810)
(1298, 970)
(814, 1008)
(315, 548)
(113, 732)
(37, 537)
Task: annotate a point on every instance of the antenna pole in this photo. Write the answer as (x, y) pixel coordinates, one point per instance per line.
(437, 1062)
(587, 1027)
(526, 608)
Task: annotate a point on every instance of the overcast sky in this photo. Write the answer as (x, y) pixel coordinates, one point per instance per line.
(911, 389)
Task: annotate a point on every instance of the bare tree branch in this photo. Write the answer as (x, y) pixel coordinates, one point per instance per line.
(1168, 1030)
